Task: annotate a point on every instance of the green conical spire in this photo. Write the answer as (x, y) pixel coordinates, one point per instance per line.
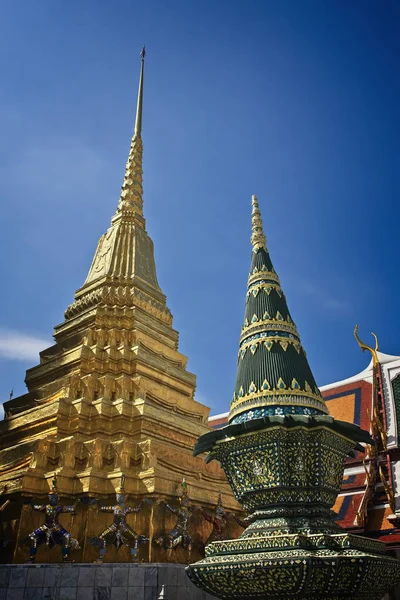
(273, 374)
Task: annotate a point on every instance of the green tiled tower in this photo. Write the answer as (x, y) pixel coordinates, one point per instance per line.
(284, 458)
(273, 374)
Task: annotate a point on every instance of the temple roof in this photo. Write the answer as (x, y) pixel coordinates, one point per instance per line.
(366, 373)
(273, 374)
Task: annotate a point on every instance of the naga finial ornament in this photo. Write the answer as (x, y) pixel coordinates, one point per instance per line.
(374, 351)
(258, 239)
(51, 532)
(119, 532)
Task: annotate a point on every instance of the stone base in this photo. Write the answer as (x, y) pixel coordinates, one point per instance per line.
(119, 581)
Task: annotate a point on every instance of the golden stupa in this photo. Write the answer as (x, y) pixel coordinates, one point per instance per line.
(111, 397)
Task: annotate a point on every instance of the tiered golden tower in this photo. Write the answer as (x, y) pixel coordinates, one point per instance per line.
(112, 396)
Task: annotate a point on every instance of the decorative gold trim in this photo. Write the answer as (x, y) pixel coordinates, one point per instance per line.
(16, 467)
(258, 275)
(281, 384)
(276, 392)
(279, 398)
(378, 429)
(268, 325)
(122, 296)
(267, 287)
(56, 396)
(252, 388)
(268, 342)
(388, 489)
(265, 385)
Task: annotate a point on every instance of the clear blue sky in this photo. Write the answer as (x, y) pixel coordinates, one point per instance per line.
(296, 101)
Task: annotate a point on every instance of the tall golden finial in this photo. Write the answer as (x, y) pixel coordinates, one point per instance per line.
(258, 239)
(138, 122)
(131, 200)
(374, 351)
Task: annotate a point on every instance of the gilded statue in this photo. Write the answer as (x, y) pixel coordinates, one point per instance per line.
(51, 532)
(119, 532)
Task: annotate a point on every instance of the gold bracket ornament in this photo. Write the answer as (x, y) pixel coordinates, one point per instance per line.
(362, 512)
(380, 428)
(388, 490)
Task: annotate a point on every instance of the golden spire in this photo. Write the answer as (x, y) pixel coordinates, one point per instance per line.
(125, 252)
(131, 200)
(374, 351)
(138, 122)
(258, 239)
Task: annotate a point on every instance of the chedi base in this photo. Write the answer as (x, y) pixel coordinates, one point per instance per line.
(312, 567)
(287, 472)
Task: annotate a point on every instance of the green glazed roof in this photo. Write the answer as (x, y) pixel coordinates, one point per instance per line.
(273, 374)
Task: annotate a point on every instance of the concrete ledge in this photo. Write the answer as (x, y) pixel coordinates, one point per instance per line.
(119, 581)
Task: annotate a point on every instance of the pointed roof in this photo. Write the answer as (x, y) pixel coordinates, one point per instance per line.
(273, 374)
(123, 270)
(139, 109)
(131, 199)
(366, 374)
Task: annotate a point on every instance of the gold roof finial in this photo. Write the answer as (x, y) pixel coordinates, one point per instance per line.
(374, 351)
(138, 122)
(258, 239)
(131, 199)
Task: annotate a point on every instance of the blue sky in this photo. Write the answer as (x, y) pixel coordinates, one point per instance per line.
(294, 101)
